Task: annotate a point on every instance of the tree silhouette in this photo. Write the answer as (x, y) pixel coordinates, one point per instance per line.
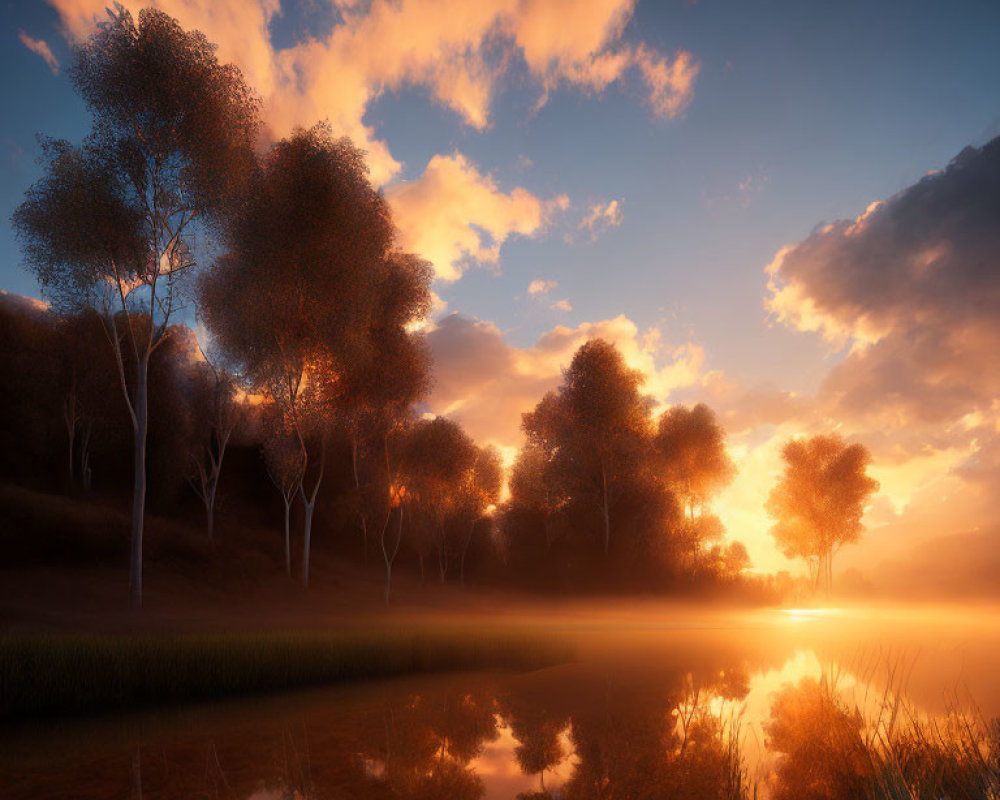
(283, 460)
(109, 224)
(819, 500)
(691, 456)
(593, 429)
(378, 392)
(438, 456)
(477, 494)
(532, 489)
(310, 287)
(215, 413)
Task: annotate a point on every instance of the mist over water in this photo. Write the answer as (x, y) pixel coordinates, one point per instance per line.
(665, 699)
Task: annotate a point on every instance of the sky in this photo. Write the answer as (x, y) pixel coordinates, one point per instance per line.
(751, 199)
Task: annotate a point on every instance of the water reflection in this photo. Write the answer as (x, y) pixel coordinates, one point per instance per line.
(566, 733)
(702, 716)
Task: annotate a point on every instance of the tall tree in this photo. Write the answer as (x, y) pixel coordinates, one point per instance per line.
(109, 224)
(594, 429)
(819, 500)
(309, 279)
(378, 391)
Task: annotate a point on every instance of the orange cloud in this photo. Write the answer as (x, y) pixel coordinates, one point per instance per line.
(459, 50)
(670, 81)
(454, 216)
(538, 286)
(40, 47)
(910, 287)
(601, 217)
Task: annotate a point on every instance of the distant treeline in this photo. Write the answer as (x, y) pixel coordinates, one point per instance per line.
(602, 497)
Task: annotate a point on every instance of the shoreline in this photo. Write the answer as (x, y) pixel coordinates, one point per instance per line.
(50, 675)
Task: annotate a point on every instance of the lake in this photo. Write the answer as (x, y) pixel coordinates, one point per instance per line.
(659, 703)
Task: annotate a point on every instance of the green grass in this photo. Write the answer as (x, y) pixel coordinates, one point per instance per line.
(50, 674)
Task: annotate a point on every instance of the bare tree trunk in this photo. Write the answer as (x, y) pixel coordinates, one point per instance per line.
(606, 510)
(222, 441)
(307, 544)
(389, 559)
(288, 544)
(442, 555)
(210, 509)
(141, 411)
(388, 581)
(310, 505)
(357, 489)
(85, 473)
(69, 415)
(420, 558)
(465, 548)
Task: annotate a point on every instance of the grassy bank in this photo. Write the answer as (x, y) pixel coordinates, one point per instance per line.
(41, 674)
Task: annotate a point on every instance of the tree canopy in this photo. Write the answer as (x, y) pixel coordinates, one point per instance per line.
(110, 223)
(820, 499)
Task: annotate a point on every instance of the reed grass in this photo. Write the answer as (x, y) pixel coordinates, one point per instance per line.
(59, 674)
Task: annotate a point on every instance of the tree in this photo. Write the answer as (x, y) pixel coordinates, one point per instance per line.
(819, 500)
(309, 288)
(593, 429)
(215, 412)
(79, 344)
(378, 392)
(109, 224)
(691, 456)
(283, 460)
(477, 495)
(438, 455)
(691, 447)
(533, 489)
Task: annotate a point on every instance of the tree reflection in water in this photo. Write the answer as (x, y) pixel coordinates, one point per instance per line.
(820, 745)
(572, 733)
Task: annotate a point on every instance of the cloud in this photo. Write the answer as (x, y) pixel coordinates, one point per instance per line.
(670, 81)
(459, 51)
(40, 47)
(601, 217)
(21, 304)
(913, 286)
(909, 290)
(538, 286)
(561, 305)
(454, 216)
(486, 383)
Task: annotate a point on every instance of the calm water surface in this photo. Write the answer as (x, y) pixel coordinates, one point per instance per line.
(651, 708)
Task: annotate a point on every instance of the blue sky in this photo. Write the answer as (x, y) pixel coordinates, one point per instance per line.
(823, 107)
(799, 114)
